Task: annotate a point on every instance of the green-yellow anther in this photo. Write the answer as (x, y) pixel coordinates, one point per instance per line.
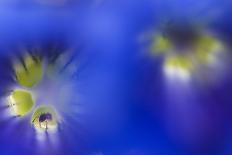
(160, 44)
(30, 74)
(204, 47)
(20, 102)
(182, 62)
(44, 118)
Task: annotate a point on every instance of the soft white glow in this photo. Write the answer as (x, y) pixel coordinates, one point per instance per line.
(12, 104)
(176, 73)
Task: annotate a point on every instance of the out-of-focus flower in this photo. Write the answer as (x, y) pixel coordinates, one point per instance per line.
(187, 50)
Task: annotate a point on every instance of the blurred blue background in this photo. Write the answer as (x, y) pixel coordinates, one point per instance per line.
(122, 105)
